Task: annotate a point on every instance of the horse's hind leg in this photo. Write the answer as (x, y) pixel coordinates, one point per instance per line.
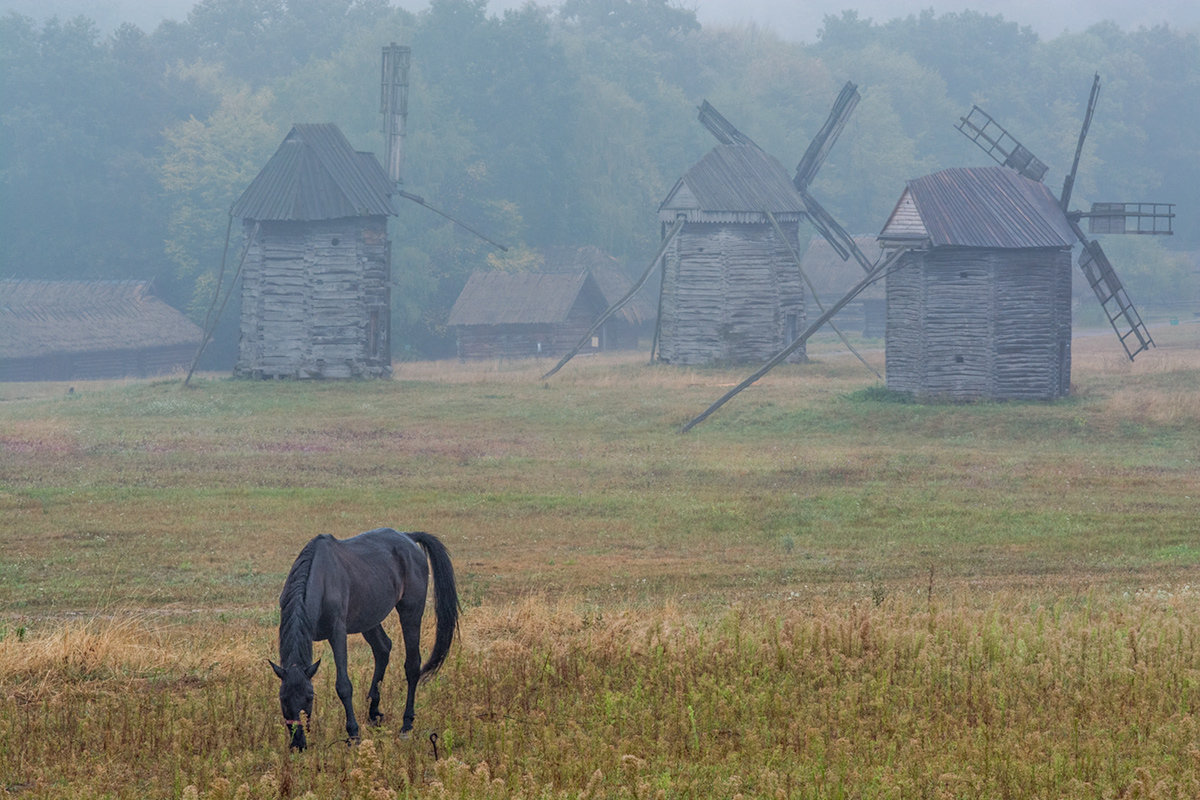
(410, 627)
(381, 647)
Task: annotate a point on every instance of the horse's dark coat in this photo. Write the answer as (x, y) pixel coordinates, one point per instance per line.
(338, 587)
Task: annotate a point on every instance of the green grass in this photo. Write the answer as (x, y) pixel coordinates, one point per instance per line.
(822, 591)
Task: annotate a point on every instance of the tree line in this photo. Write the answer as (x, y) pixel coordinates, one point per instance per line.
(121, 153)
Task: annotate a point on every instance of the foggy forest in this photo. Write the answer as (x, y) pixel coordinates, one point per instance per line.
(121, 153)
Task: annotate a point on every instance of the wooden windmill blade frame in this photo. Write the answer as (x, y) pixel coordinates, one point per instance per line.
(822, 143)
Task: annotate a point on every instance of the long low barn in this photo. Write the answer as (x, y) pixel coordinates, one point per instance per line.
(521, 315)
(82, 330)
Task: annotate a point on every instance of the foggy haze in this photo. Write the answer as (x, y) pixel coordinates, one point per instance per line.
(787, 18)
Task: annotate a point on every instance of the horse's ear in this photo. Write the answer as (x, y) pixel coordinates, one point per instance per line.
(278, 669)
(312, 670)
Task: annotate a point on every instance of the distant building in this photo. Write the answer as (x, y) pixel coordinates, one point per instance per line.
(84, 330)
(316, 283)
(983, 309)
(527, 314)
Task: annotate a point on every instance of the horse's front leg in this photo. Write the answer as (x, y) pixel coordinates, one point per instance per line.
(381, 648)
(345, 690)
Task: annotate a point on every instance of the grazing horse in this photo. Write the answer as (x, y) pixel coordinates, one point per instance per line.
(342, 586)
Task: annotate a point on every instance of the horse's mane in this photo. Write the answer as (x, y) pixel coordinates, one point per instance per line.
(295, 627)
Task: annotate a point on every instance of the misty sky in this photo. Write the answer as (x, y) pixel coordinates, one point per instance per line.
(791, 19)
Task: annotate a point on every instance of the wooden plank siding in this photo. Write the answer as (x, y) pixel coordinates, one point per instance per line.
(731, 294)
(314, 300)
(980, 323)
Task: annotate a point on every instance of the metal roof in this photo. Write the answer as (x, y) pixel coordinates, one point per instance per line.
(736, 178)
(521, 298)
(316, 174)
(989, 207)
(40, 318)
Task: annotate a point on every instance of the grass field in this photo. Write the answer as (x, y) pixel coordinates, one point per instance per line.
(819, 592)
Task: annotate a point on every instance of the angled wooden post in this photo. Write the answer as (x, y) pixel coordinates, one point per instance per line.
(662, 248)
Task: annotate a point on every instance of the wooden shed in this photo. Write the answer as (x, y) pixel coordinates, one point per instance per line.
(731, 292)
(84, 330)
(983, 309)
(316, 299)
(527, 314)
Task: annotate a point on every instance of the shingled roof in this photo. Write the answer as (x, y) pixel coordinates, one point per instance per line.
(315, 174)
(991, 207)
(42, 318)
(735, 178)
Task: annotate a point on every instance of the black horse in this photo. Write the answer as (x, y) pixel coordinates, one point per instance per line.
(337, 587)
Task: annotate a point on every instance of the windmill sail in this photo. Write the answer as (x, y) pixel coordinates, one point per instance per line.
(721, 128)
(1069, 182)
(823, 142)
(1143, 218)
(993, 139)
(393, 104)
(1117, 306)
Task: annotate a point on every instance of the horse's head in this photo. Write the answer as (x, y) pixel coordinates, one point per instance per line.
(296, 698)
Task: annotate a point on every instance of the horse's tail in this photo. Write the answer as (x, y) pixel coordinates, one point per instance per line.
(445, 595)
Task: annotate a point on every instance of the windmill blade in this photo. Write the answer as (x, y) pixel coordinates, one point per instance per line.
(1069, 182)
(721, 128)
(837, 236)
(877, 271)
(1156, 219)
(823, 142)
(1114, 300)
(1123, 317)
(993, 139)
(416, 198)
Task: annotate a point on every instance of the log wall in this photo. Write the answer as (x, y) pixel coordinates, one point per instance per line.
(316, 300)
(731, 294)
(969, 324)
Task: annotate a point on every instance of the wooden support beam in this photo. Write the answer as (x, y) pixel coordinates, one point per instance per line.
(662, 248)
(877, 272)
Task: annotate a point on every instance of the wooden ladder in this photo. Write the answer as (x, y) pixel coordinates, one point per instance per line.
(1117, 306)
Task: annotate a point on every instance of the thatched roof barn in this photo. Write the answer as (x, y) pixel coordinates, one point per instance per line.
(983, 311)
(731, 292)
(832, 277)
(527, 314)
(82, 330)
(316, 299)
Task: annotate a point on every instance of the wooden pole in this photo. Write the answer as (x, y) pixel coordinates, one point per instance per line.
(604, 317)
(210, 322)
(812, 291)
(876, 272)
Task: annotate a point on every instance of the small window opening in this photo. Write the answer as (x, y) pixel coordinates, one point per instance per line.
(958, 359)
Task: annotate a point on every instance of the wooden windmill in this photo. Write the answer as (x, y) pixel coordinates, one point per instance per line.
(769, 205)
(1137, 218)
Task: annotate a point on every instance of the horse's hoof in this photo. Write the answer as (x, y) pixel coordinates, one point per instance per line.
(406, 734)
(377, 719)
